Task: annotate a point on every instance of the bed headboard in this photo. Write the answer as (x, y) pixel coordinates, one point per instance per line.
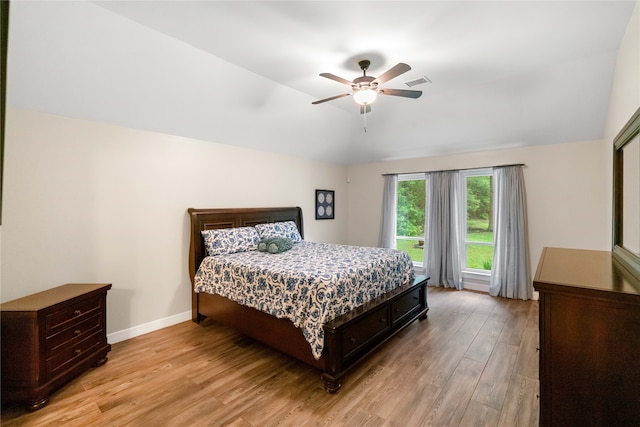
(208, 219)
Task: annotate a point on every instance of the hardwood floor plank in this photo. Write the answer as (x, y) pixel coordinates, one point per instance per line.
(521, 406)
(418, 401)
(452, 402)
(479, 415)
(485, 341)
(493, 384)
(472, 362)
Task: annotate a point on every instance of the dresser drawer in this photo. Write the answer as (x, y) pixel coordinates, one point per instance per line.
(71, 315)
(68, 355)
(74, 334)
(405, 305)
(356, 335)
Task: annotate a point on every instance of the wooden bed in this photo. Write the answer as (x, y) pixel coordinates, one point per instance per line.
(348, 338)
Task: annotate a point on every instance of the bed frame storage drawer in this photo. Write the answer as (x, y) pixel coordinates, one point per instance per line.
(405, 305)
(364, 330)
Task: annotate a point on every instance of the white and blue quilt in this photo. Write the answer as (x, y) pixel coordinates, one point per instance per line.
(310, 284)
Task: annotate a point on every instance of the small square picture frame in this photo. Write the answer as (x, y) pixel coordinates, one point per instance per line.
(325, 204)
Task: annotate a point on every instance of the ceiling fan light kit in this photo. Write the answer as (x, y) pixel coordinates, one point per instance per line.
(365, 88)
(365, 96)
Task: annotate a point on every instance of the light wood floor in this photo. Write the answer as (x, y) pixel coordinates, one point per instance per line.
(473, 362)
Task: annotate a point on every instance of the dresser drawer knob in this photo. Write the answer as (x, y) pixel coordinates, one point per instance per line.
(352, 340)
(77, 312)
(397, 310)
(77, 351)
(77, 332)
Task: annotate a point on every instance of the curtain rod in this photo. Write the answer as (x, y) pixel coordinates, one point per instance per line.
(456, 170)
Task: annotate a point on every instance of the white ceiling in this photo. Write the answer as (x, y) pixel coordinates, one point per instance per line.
(504, 74)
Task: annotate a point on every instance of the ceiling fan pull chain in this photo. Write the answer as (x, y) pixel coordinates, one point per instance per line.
(365, 119)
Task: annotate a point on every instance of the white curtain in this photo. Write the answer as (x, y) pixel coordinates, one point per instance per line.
(389, 210)
(511, 273)
(441, 255)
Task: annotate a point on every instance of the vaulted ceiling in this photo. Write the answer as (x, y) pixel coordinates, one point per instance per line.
(502, 74)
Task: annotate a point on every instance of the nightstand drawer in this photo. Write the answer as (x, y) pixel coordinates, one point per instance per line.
(74, 334)
(68, 316)
(67, 355)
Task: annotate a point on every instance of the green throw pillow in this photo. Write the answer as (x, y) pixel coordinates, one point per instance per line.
(275, 245)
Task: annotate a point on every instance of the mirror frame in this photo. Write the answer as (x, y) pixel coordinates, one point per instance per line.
(621, 254)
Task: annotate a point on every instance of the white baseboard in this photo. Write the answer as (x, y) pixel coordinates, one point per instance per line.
(145, 328)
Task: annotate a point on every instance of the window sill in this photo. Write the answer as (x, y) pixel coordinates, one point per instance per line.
(476, 281)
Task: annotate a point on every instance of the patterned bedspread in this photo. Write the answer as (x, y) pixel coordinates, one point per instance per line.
(310, 284)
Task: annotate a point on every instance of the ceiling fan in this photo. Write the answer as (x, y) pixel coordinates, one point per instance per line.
(365, 89)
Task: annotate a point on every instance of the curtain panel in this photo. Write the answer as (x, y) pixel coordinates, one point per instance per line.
(441, 255)
(389, 209)
(511, 273)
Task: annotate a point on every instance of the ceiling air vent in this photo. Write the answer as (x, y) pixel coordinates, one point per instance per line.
(420, 81)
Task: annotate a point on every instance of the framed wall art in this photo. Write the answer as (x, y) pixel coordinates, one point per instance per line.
(325, 204)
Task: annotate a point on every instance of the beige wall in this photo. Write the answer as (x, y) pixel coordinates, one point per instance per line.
(625, 94)
(563, 185)
(90, 202)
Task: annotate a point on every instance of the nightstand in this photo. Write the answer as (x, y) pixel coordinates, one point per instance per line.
(51, 337)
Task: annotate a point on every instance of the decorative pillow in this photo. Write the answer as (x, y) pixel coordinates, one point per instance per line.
(275, 245)
(230, 240)
(287, 229)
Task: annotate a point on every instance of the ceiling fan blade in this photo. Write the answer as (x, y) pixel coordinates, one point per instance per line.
(331, 99)
(402, 92)
(365, 109)
(394, 71)
(336, 78)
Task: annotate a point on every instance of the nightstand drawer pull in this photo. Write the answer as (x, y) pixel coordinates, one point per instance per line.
(352, 340)
(77, 312)
(77, 351)
(77, 332)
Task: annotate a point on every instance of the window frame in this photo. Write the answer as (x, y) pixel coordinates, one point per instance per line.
(480, 275)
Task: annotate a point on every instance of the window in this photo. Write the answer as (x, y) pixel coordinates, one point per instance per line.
(477, 220)
(410, 216)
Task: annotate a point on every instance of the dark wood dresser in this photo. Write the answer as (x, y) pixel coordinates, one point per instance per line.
(589, 340)
(50, 337)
